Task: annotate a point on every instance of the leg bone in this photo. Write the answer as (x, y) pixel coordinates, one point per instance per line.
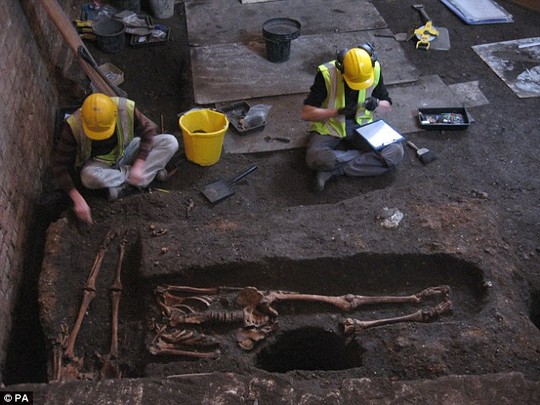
(89, 293)
(116, 292)
(425, 315)
(110, 367)
(167, 349)
(348, 302)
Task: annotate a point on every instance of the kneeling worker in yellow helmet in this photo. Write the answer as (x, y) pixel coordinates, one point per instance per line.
(114, 146)
(343, 96)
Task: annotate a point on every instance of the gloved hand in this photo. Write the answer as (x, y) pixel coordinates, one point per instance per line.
(371, 103)
(348, 110)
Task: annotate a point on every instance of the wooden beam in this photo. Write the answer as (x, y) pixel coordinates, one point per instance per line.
(71, 37)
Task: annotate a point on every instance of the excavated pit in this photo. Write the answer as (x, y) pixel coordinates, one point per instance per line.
(301, 336)
(311, 349)
(310, 336)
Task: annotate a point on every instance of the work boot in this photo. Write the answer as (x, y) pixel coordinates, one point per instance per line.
(162, 175)
(115, 193)
(321, 179)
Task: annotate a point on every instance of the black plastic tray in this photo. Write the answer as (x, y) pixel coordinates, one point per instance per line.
(148, 40)
(450, 118)
(235, 112)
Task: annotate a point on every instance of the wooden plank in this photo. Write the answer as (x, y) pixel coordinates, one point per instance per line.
(71, 37)
(530, 4)
(283, 121)
(284, 117)
(211, 22)
(241, 71)
(256, 1)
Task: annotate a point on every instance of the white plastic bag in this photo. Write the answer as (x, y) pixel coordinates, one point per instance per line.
(256, 115)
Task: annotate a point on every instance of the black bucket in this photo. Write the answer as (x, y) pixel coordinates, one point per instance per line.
(111, 35)
(278, 34)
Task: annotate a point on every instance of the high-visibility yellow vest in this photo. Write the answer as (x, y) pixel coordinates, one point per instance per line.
(125, 127)
(335, 98)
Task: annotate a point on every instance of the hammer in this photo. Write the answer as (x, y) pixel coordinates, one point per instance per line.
(425, 155)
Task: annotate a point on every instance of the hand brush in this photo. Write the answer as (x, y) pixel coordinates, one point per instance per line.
(425, 155)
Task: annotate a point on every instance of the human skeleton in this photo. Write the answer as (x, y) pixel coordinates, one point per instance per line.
(184, 308)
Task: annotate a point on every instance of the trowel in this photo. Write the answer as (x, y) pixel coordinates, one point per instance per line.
(400, 36)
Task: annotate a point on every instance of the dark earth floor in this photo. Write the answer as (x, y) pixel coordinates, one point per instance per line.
(471, 222)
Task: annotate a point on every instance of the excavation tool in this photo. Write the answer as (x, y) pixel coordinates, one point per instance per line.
(400, 36)
(430, 36)
(85, 55)
(71, 37)
(425, 155)
(221, 189)
(283, 139)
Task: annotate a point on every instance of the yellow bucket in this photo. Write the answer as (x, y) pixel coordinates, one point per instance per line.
(203, 132)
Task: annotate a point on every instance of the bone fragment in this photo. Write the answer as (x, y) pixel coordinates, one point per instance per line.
(89, 293)
(189, 338)
(424, 315)
(176, 319)
(253, 318)
(348, 302)
(110, 367)
(57, 363)
(174, 300)
(247, 337)
(189, 375)
(165, 349)
(192, 290)
(116, 292)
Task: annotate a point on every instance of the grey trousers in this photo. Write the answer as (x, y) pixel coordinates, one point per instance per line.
(347, 156)
(96, 175)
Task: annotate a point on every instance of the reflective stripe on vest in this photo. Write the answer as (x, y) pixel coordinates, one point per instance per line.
(335, 98)
(125, 126)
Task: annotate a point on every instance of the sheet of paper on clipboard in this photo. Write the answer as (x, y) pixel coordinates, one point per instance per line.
(378, 134)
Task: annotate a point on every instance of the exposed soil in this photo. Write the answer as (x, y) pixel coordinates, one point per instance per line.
(471, 222)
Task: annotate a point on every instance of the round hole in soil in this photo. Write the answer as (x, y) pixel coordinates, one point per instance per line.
(309, 348)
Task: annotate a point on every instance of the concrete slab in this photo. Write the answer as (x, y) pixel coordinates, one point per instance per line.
(516, 62)
(211, 22)
(240, 71)
(284, 117)
(427, 92)
(283, 121)
(469, 94)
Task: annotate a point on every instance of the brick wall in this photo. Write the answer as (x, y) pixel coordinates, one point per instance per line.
(32, 57)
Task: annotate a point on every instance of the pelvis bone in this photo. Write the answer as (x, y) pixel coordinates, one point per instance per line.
(253, 311)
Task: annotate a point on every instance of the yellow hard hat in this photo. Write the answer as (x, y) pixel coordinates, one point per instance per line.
(358, 69)
(99, 114)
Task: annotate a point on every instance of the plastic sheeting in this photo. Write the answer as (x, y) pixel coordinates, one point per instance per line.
(479, 11)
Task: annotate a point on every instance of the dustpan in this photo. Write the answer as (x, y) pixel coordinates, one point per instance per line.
(221, 189)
